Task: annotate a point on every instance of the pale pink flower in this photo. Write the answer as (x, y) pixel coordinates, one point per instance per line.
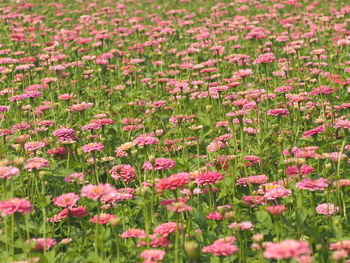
(92, 147)
(134, 233)
(277, 192)
(167, 228)
(36, 163)
(81, 107)
(287, 249)
(7, 172)
(152, 255)
(327, 209)
(33, 146)
(308, 184)
(221, 248)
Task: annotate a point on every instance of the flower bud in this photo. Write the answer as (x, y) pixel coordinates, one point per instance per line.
(208, 108)
(191, 249)
(258, 238)
(229, 215)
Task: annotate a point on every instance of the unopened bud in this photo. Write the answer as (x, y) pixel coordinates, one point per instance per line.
(191, 249)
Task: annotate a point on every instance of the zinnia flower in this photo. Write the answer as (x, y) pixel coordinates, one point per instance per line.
(7, 172)
(152, 255)
(208, 178)
(221, 248)
(42, 243)
(287, 249)
(66, 200)
(327, 209)
(14, 205)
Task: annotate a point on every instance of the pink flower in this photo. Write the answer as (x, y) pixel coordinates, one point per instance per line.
(65, 96)
(75, 177)
(36, 163)
(220, 248)
(33, 146)
(308, 184)
(173, 181)
(278, 112)
(7, 172)
(264, 58)
(163, 164)
(214, 216)
(92, 147)
(61, 215)
(134, 232)
(81, 107)
(342, 182)
(11, 206)
(166, 229)
(65, 135)
(276, 209)
(102, 218)
(340, 245)
(242, 226)
(246, 225)
(327, 209)
(42, 243)
(208, 178)
(152, 255)
(253, 201)
(345, 124)
(79, 211)
(257, 179)
(125, 171)
(103, 121)
(287, 249)
(277, 192)
(156, 241)
(335, 156)
(145, 139)
(312, 132)
(96, 192)
(66, 200)
(178, 207)
(91, 127)
(306, 169)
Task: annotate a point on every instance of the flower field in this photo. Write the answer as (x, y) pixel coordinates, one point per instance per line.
(174, 131)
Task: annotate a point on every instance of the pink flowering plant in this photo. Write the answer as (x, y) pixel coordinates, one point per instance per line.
(174, 131)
